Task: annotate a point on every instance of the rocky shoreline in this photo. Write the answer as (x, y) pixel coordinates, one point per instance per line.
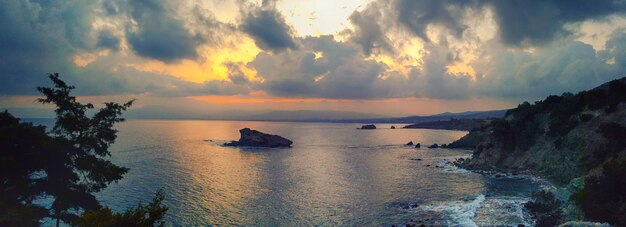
(576, 142)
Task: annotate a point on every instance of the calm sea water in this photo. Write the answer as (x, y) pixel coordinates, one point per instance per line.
(333, 175)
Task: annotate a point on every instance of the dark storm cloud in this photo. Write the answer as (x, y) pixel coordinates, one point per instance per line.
(539, 22)
(106, 39)
(38, 38)
(268, 29)
(369, 31)
(43, 37)
(418, 15)
(158, 34)
(520, 22)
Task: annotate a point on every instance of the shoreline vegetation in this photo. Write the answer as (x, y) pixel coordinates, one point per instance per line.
(578, 142)
(66, 166)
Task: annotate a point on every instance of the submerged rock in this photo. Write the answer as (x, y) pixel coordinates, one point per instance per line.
(433, 146)
(368, 127)
(254, 138)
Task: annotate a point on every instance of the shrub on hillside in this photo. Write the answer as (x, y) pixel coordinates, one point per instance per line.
(603, 198)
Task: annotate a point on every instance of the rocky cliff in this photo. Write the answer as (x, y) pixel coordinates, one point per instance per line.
(565, 138)
(562, 137)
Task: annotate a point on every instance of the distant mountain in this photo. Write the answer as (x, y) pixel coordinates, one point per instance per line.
(157, 112)
(437, 117)
(309, 116)
(451, 124)
(474, 114)
(355, 117)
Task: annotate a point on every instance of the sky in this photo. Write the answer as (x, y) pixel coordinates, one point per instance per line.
(390, 57)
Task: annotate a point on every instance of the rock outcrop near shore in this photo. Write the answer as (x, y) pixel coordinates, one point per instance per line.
(564, 138)
(254, 138)
(368, 127)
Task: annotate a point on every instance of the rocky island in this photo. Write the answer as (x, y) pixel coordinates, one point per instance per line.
(254, 138)
(368, 127)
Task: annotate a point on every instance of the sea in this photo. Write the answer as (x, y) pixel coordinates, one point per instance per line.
(334, 174)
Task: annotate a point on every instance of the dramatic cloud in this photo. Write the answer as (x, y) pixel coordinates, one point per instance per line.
(268, 28)
(369, 31)
(158, 35)
(434, 49)
(538, 22)
(47, 37)
(38, 38)
(106, 39)
(418, 15)
(339, 72)
(520, 22)
(559, 67)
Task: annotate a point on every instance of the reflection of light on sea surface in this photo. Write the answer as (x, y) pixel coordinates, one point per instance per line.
(333, 174)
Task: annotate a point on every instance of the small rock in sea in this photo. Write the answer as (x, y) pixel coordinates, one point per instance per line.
(368, 127)
(444, 146)
(254, 138)
(428, 165)
(393, 127)
(418, 145)
(433, 146)
(500, 175)
(410, 143)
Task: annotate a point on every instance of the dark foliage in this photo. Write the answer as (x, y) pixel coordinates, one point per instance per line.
(67, 166)
(585, 117)
(84, 171)
(615, 134)
(149, 215)
(564, 111)
(545, 208)
(604, 197)
(23, 150)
